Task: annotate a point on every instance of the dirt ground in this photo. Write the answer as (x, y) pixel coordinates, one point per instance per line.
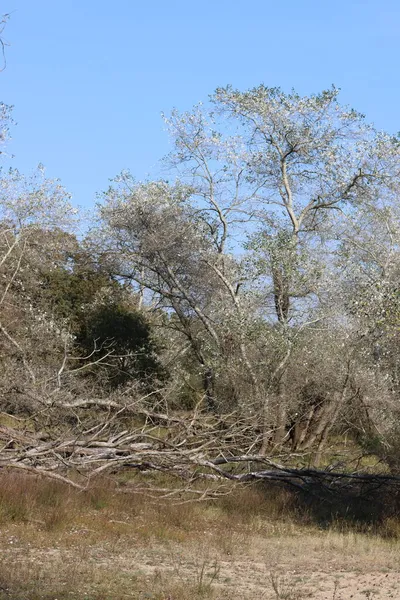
(325, 566)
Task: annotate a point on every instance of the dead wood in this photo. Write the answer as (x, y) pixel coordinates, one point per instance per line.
(189, 447)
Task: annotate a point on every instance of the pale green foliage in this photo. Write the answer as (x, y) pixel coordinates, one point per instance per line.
(281, 164)
(248, 232)
(326, 147)
(34, 201)
(35, 214)
(155, 236)
(5, 122)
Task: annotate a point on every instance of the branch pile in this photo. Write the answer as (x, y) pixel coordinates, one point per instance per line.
(199, 446)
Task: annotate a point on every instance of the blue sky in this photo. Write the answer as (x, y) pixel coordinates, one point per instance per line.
(89, 78)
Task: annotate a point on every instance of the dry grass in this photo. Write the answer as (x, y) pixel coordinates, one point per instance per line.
(102, 544)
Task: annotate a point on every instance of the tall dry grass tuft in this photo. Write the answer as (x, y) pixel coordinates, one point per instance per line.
(54, 506)
(24, 498)
(248, 502)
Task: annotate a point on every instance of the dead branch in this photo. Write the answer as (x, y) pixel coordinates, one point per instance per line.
(189, 448)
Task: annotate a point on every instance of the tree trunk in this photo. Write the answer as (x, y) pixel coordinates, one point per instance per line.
(280, 433)
(281, 293)
(208, 386)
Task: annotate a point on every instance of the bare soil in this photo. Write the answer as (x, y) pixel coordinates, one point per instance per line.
(311, 565)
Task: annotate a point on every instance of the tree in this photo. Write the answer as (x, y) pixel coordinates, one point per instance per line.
(249, 230)
(154, 236)
(123, 335)
(269, 263)
(31, 342)
(309, 158)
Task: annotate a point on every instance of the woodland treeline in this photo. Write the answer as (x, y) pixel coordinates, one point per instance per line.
(242, 307)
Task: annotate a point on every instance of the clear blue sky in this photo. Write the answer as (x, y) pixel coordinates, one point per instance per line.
(89, 78)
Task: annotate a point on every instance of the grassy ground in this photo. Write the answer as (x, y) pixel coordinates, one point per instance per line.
(57, 543)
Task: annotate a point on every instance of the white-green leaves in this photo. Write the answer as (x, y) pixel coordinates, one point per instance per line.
(34, 201)
(5, 123)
